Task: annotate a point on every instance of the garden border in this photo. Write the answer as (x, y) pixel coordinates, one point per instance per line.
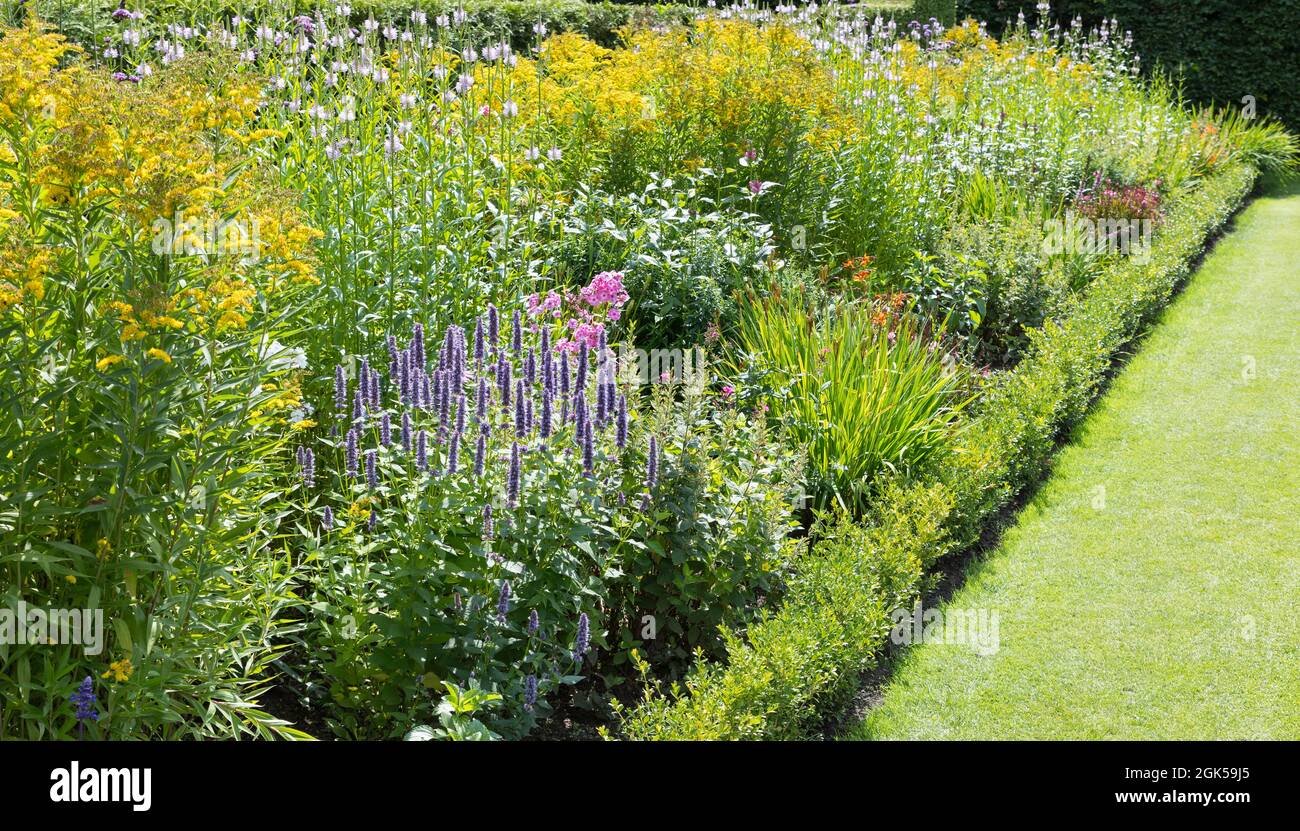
(796, 664)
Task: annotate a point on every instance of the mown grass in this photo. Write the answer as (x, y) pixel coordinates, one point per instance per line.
(1162, 606)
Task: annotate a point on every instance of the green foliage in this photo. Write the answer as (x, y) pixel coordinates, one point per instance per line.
(684, 257)
(1222, 50)
(865, 396)
(436, 576)
(798, 663)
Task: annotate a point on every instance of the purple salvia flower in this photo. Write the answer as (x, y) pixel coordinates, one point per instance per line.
(374, 520)
(460, 413)
(494, 334)
(588, 451)
(406, 432)
(516, 333)
(354, 464)
(564, 375)
(386, 430)
(478, 344)
(521, 415)
(340, 388)
(530, 367)
(374, 389)
(364, 380)
(327, 518)
(503, 601)
(533, 622)
(513, 485)
(417, 344)
(580, 383)
(652, 465)
(422, 451)
(530, 693)
(545, 427)
(583, 641)
(308, 467)
(480, 454)
(503, 376)
(487, 523)
(480, 414)
(444, 400)
(620, 434)
(453, 454)
(392, 358)
(528, 415)
(358, 408)
(372, 476)
(84, 700)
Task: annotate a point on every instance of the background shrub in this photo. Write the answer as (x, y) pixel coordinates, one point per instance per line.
(1222, 49)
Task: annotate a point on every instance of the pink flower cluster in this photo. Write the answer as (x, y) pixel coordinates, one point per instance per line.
(582, 315)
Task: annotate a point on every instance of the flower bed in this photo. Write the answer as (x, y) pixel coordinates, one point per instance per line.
(459, 381)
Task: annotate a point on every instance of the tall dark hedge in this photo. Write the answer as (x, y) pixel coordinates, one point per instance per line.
(1222, 49)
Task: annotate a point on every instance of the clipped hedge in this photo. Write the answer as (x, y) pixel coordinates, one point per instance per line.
(799, 663)
(1224, 49)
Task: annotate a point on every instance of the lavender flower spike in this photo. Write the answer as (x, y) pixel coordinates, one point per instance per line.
(503, 601)
(583, 641)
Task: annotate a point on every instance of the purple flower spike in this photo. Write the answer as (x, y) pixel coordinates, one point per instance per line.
(530, 693)
(480, 454)
(588, 451)
(372, 475)
(340, 388)
(422, 451)
(453, 454)
(521, 414)
(327, 518)
(545, 428)
(512, 486)
(494, 333)
(620, 435)
(583, 642)
(487, 523)
(406, 432)
(354, 465)
(417, 344)
(478, 343)
(533, 623)
(386, 430)
(503, 601)
(516, 333)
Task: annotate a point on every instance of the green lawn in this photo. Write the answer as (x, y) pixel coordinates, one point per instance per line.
(1168, 605)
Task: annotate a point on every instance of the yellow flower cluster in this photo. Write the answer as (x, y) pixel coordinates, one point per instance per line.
(149, 167)
(28, 58)
(119, 670)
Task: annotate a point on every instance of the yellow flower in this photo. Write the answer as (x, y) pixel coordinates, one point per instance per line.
(71, 578)
(160, 355)
(104, 363)
(103, 548)
(304, 424)
(120, 670)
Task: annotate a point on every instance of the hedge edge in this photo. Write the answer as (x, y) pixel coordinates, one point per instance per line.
(800, 662)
